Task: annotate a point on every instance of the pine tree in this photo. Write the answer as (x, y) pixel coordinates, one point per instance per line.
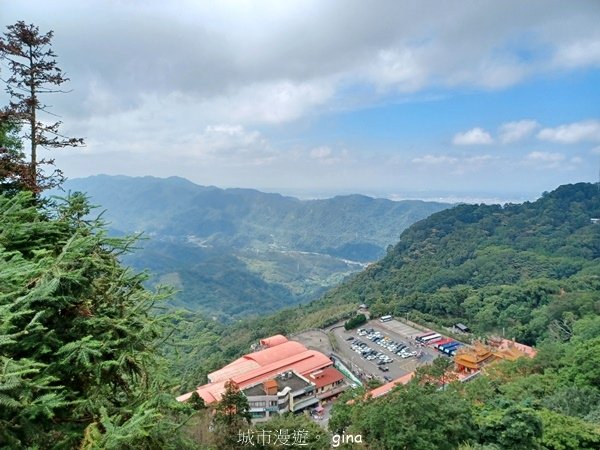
(79, 333)
(34, 72)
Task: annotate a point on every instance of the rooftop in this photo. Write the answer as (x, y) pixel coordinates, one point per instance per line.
(273, 340)
(325, 377)
(261, 358)
(259, 366)
(287, 379)
(382, 390)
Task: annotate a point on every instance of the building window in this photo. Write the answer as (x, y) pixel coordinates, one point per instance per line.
(257, 404)
(273, 403)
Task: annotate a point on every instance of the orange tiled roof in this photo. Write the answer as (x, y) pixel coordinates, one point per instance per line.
(256, 360)
(510, 346)
(271, 384)
(325, 377)
(259, 366)
(273, 340)
(382, 390)
(237, 367)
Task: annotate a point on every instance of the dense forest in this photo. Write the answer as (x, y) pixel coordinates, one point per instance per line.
(529, 269)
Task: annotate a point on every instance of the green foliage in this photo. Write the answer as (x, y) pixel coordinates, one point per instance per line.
(413, 416)
(197, 402)
(355, 321)
(438, 373)
(231, 416)
(513, 428)
(14, 170)
(529, 270)
(78, 336)
(568, 433)
(341, 414)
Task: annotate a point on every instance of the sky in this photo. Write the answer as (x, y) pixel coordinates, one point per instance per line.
(403, 99)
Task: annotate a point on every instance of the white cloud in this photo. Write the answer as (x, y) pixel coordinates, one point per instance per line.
(516, 131)
(458, 165)
(301, 53)
(479, 159)
(325, 155)
(595, 150)
(475, 136)
(573, 133)
(320, 152)
(272, 102)
(435, 160)
(399, 68)
(545, 160)
(578, 54)
(162, 77)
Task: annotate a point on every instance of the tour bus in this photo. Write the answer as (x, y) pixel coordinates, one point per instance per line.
(385, 318)
(432, 337)
(425, 335)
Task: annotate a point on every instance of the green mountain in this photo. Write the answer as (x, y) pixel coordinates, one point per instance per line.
(233, 252)
(531, 270)
(513, 267)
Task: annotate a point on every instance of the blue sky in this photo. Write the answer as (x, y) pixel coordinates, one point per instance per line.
(468, 100)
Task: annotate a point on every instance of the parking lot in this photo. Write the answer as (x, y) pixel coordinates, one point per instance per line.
(384, 351)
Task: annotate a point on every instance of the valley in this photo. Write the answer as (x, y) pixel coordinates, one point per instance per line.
(230, 253)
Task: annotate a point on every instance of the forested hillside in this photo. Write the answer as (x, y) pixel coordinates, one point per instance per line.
(529, 270)
(517, 267)
(234, 252)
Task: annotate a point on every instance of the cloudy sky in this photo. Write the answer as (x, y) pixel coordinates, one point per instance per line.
(393, 98)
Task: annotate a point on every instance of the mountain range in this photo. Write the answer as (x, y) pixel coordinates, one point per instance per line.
(234, 252)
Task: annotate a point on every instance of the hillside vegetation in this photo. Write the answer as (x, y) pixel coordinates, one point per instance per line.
(234, 252)
(520, 268)
(529, 270)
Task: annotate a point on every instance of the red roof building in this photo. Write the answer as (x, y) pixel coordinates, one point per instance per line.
(328, 382)
(280, 355)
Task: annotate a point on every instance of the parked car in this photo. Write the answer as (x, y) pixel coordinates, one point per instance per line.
(384, 368)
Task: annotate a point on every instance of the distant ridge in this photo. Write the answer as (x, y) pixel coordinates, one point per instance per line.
(235, 246)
